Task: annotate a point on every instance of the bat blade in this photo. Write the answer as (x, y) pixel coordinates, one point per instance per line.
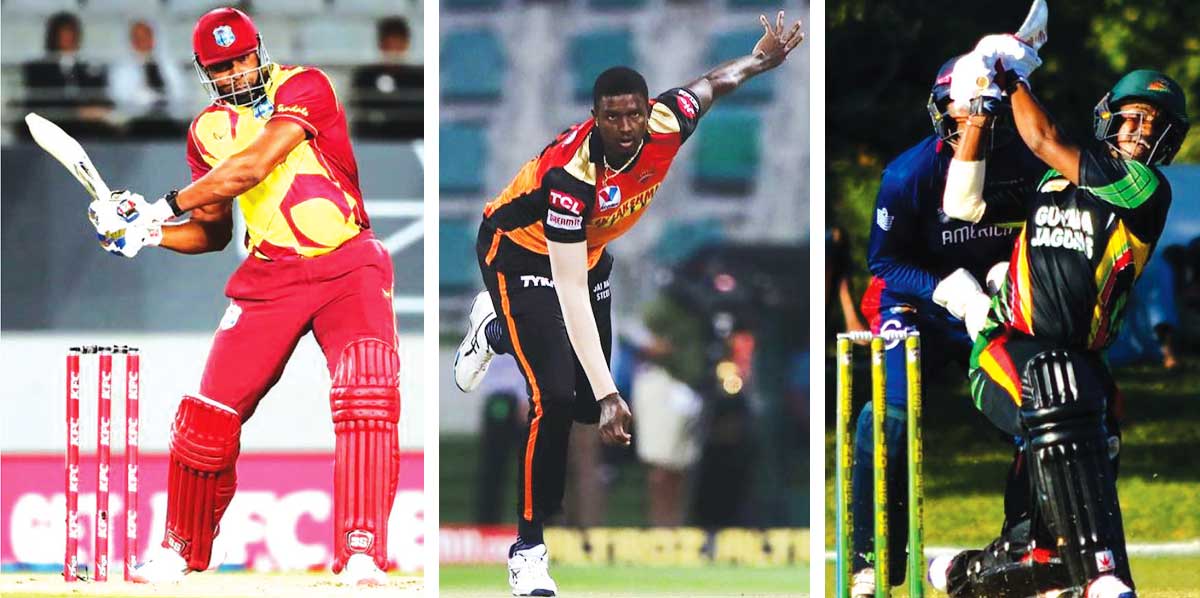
(67, 151)
(1033, 30)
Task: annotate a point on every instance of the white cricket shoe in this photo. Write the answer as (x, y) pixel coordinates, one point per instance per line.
(939, 571)
(166, 566)
(474, 354)
(361, 570)
(1109, 586)
(862, 585)
(529, 572)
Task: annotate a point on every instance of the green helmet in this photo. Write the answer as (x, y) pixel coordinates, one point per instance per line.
(1155, 88)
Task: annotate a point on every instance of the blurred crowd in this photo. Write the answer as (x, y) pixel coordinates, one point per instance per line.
(148, 94)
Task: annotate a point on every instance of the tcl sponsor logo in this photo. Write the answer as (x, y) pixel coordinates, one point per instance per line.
(566, 202)
(564, 222)
(687, 104)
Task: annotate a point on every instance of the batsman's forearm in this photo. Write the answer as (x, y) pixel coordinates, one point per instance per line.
(193, 237)
(229, 179)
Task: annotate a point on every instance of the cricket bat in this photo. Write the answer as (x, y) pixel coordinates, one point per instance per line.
(66, 150)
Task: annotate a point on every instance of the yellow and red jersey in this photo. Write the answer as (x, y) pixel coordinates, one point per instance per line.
(310, 203)
(568, 194)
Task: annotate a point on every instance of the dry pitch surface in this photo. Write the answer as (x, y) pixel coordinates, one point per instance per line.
(208, 585)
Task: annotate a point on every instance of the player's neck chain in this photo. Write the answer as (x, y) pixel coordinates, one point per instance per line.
(616, 171)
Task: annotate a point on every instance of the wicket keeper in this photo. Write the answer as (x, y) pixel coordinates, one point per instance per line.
(1037, 369)
(275, 140)
(541, 250)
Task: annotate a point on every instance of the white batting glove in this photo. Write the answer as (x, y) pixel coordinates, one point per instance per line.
(1013, 55)
(972, 77)
(962, 296)
(129, 241)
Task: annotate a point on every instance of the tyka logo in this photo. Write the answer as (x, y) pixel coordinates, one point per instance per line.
(529, 280)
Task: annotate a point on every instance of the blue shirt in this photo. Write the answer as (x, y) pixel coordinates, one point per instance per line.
(914, 245)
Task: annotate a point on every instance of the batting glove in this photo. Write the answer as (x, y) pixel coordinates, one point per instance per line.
(1009, 55)
(972, 77)
(129, 241)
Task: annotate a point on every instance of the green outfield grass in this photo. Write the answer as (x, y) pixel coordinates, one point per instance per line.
(617, 581)
(966, 461)
(1166, 577)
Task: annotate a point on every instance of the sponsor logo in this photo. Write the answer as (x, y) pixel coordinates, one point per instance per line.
(970, 232)
(630, 207)
(102, 523)
(564, 222)
(602, 291)
(889, 326)
(566, 202)
(1105, 561)
(74, 431)
(610, 197)
(288, 108)
(224, 36)
(131, 524)
(687, 104)
(131, 386)
(645, 176)
(73, 478)
(230, 319)
(883, 219)
(529, 280)
(105, 431)
(1158, 85)
(102, 477)
(263, 109)
(360, 540)
(174, 543)
(73, 524)
(1069, 228)
(131, 477)
(106, 385)
(75, 386)
(131, 431)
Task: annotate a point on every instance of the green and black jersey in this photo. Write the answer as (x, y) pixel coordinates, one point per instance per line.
(1082, 248)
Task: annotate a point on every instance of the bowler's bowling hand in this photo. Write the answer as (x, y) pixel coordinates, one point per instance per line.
(615, 419)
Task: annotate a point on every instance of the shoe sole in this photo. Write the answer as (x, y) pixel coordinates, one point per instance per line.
(471, 334)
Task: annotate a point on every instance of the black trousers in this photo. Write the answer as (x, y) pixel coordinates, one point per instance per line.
(559, 393)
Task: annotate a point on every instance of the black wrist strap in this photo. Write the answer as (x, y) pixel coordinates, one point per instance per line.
(172, 199)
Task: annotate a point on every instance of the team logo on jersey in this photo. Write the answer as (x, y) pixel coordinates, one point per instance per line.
(1105, 561)
(883, 219)
(610, 197)
(687, 104)
(301, 110)
(224, 36)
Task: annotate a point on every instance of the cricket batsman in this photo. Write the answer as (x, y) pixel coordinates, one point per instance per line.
(913, 247)
(541, 250)
(1037, 369)
(275, 140)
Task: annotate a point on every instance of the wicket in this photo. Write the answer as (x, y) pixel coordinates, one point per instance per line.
(845, 455)
(103, 457)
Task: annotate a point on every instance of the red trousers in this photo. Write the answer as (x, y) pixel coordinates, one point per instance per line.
(342, 296)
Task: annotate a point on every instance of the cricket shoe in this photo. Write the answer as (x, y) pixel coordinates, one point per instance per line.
(862, 585)
(474, 354)
(939, 571)
(164, 567)
(361, 570)
(1109, 586)
(529, 572)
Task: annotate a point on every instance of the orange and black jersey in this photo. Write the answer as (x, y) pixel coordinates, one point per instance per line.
(1082, 248)
(567, 194)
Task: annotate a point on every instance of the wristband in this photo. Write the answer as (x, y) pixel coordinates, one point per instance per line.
(172, 199)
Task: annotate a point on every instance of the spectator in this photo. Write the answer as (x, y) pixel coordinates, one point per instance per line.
(148, 88)
(1150, 320)
(67, 89)
(389, 94)
(837, 278)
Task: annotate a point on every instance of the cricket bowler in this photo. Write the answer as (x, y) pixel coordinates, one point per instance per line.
(1037, 369)
(913, 246)
(541, 250)
(275, 140)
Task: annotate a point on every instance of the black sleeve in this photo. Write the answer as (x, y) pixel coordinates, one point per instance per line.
(568, 202)
(1138, 193)
(684, 104)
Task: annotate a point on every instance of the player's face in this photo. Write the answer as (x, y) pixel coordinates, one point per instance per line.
(621, 121)
(237, 75)
(1140, 127)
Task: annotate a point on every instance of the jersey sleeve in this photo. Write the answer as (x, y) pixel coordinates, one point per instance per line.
(1139, 193)
(307, 99)
(893, 231)
(195, 159)
(1012, 179)
(568, 202)
(675, 110)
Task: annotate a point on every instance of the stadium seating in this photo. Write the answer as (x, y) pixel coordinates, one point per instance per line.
(473, 65)
(457, 267)
(470, 4)
(616, 4)
(592, 52)
(728, 150)
(462, 154)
